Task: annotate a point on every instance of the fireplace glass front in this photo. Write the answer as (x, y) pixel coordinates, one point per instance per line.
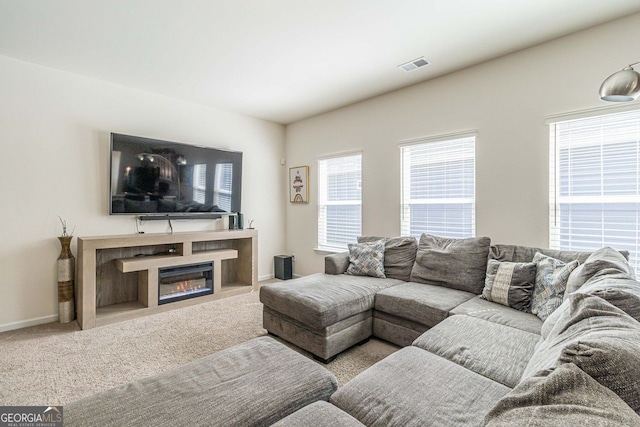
(184, 282)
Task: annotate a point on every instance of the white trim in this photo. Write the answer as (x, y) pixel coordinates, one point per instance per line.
(340, 154)
(329, 251)
(31, 322)
(592, 112)
(438, 138)
(266, 277)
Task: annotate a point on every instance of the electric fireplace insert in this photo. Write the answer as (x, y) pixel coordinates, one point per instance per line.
(184, 282)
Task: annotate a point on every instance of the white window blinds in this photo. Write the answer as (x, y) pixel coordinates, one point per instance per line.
(595, 183)
(339, 201)
(438, 187)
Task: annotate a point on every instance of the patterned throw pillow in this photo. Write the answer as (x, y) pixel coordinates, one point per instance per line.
(366, 259)
(510, 284)
(551, 282)
(399, 255)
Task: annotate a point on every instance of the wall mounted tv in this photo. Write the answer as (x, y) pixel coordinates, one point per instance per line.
(161, 179)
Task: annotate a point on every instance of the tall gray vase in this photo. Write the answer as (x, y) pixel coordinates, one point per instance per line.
(66, 272)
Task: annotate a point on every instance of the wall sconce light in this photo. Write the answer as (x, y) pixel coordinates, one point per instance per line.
(622, 86)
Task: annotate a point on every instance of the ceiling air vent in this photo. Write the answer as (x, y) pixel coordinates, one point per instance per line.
(415, 64)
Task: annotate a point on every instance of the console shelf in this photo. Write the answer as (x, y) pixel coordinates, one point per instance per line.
(118, 275)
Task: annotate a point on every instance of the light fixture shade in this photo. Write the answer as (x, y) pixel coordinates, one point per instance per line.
(623, 86)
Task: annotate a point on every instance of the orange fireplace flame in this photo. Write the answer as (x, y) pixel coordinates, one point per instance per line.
(182, 287)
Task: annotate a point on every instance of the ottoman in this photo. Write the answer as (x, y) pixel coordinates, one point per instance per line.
(322, 313)
(255, 383)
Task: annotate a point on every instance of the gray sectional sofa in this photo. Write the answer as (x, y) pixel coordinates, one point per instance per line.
(567, 355)
(492, 336)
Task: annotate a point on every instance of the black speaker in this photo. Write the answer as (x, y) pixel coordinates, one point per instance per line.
(233, 222)
(240, 221)
(283, 266)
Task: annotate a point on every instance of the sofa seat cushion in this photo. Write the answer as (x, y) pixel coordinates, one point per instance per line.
(413, 387)
(319, 414)
(566, 396)
(422, 303)
(320, 300)
(242, 385)
(483, 309)
(495, 351)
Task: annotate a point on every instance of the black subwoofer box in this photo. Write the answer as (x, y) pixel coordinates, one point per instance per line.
(283, 266)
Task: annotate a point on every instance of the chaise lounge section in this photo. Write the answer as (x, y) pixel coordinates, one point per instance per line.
(323, 314)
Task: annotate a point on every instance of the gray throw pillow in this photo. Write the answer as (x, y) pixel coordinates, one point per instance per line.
(602, 259)
(551, 282)
(454, 263)
(510, 284)
(399, 255)
(565, 396)
(366, 259)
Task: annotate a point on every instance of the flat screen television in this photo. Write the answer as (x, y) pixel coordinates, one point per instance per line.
(155, 178)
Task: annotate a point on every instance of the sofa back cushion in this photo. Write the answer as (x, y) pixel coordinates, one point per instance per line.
(612, 360)
(600, 339)
(517, 253)
(603, 259)
(399, 255)
(454, 263)
(619, 289)
(565, 396)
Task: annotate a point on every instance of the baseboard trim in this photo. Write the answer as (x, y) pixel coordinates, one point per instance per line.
(54, 317)
(26, 323)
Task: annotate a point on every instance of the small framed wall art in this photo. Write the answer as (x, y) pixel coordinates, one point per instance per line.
(299, 184)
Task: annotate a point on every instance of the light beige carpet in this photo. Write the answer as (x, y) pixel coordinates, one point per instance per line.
(54, 364)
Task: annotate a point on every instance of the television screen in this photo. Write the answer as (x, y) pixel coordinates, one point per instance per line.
(153, 177)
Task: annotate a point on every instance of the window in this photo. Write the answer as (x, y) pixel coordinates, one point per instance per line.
(339, 201)
(438, 187)
(595, 183)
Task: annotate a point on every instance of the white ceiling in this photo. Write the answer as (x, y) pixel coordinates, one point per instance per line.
(282, 60)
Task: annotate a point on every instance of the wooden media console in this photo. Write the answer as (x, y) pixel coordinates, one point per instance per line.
(117, 277)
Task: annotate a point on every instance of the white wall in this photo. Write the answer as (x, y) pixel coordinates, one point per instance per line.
(54, 139)
(506, 100)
